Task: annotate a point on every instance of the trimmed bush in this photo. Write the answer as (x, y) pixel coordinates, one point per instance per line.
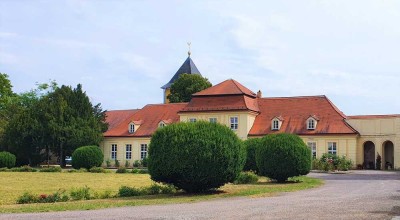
(98, 170)
(51, 169)
(251, 145)
(7, 159)
(281, 156)
(87, 157)
(121, 170)
(23, 169)
(246, 178)
(195, 156)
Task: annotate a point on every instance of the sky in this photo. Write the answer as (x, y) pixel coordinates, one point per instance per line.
(122, 52)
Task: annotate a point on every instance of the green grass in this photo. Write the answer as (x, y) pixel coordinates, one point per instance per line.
(15, 184)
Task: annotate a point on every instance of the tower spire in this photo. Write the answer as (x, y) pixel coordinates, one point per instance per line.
(189, 43)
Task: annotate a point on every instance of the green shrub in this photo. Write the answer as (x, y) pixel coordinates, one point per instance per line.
(51, 169)
(27, 198)
(126, 164)
(281, 156)
(83, 193)
(246, 178)
(195, 156)
(87, 157)
(58, 196)
(23, 169)
(251, 145)
(5, 169)
(108, 163)
(126, 191)
(135, 171)
(136, 163)
(81, 170)
(116, 162)
(143, 171)
(331, 162)
(7, 159)
(104, 195)
(98, 170)
(344, 164)
(144, 161)
(121, 170)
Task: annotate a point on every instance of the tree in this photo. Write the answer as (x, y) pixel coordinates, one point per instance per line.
(195, 156)
(72, 121)
(186, 85)
(6, 94)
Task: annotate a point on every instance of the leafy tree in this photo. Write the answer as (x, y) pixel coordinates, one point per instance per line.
(186, 85)
(251, 146)
(6, 94)
(195, 156)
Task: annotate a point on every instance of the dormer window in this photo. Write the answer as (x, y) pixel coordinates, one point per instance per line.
(276, 123)
(161, 125)
(131, 128)
(311, 123)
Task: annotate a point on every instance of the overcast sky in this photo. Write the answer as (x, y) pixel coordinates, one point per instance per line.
(122, 52)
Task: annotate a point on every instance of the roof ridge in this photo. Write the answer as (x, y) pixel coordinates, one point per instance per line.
(296, 97)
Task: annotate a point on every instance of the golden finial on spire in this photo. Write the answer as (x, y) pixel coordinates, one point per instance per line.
(189, 43)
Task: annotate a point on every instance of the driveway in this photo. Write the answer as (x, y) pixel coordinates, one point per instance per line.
(359, 195)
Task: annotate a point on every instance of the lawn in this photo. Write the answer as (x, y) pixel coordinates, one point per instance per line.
(14, 184)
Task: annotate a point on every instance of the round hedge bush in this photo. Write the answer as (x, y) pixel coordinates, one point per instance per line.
(251, 145)
(195, 156)
(7, 159)
(87, 157)
(281, 156)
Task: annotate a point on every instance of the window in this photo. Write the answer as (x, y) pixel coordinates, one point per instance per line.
(234, 123)
(331, 147)
(113, 151)
(161, 125)
(313, 148)
(131, 128)
(275, 124)
(143, 151)
(311, 124)
(192, 120)
(213, 120)
(128, 152)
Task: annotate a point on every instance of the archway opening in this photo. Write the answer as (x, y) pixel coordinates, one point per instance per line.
(369, 155)
(388, 155)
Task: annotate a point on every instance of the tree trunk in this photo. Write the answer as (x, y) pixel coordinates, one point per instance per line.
(62, 157)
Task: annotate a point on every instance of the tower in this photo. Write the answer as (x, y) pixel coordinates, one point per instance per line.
(187, 67)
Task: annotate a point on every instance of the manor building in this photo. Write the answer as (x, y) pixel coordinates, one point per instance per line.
(322, 126)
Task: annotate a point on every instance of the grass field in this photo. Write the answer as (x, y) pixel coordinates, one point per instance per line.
(15, 184)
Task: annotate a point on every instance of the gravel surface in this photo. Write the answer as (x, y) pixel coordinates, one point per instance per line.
(358, 195)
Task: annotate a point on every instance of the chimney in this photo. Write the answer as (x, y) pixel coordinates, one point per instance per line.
(259, 94)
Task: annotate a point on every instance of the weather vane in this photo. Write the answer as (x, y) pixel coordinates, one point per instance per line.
(189, 43)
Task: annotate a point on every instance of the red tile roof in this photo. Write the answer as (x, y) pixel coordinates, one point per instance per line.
(227, 87)
(221, 103)
(373, 116)
(116, 117)
(295, 111)
(150, 115)
(226, 96)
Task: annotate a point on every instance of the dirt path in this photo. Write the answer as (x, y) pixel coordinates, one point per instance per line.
(359, 195)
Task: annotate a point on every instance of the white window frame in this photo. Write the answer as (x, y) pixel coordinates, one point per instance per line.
(131, 128)
(311, 124)
(313, 147)
(275, 124)
(192, 120)
(114, 150)
(234, 122)
(128, 151)
(143, 151)
(333, 147)
(213, 120)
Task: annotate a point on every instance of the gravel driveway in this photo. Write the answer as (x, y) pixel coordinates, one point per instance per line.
(359, 195)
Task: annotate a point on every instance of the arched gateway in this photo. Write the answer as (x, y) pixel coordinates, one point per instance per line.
(369, 155)
(388, 155)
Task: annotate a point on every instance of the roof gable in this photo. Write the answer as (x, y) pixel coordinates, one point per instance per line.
(227, 87)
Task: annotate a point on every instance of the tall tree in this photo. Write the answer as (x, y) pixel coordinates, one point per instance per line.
(186, 85)
(6, 94)
(72, 121)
